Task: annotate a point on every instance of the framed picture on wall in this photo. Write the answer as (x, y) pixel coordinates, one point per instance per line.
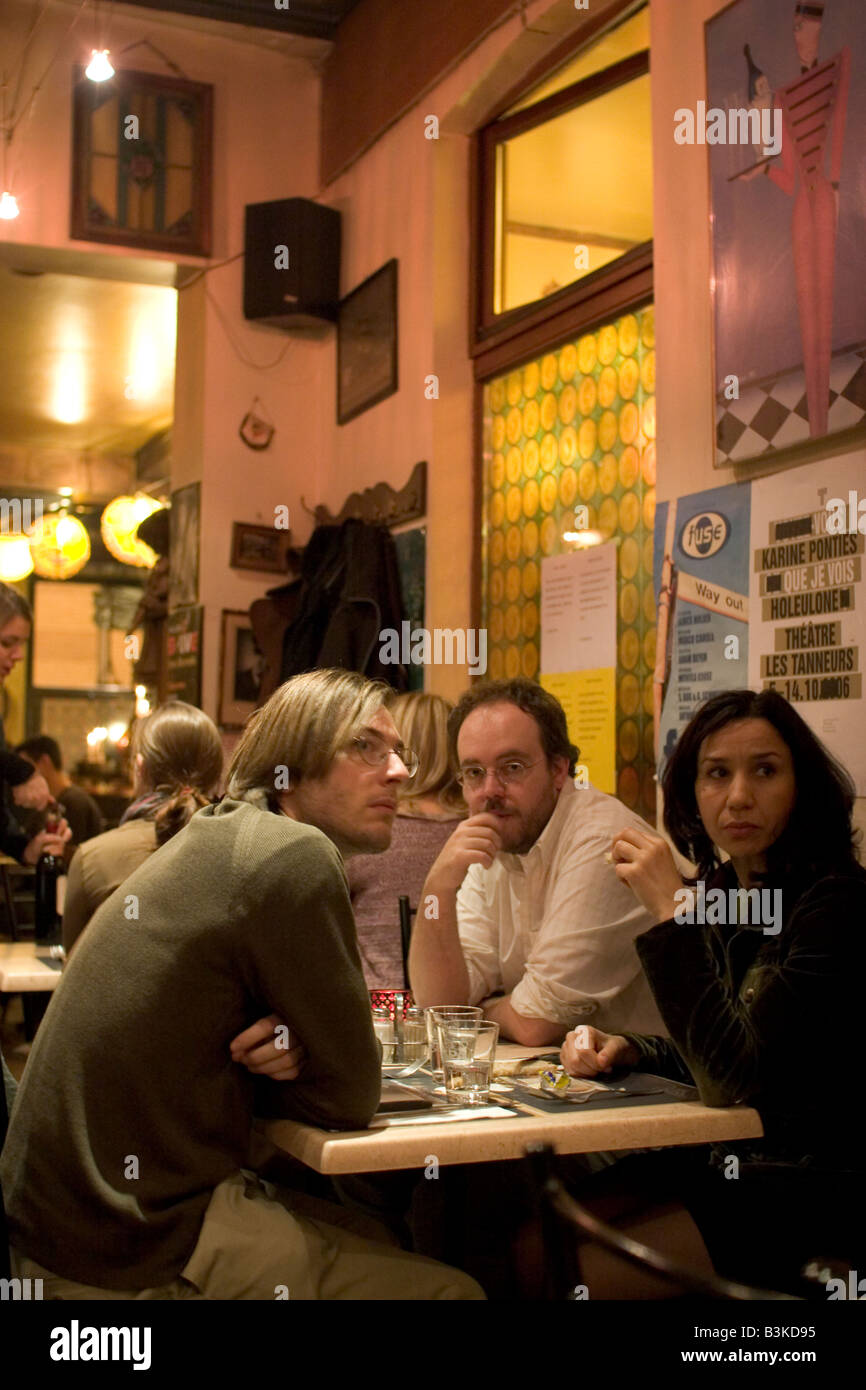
(183, 545)
(240, 670)
(258, 548)
(367, 344)
(786, 98)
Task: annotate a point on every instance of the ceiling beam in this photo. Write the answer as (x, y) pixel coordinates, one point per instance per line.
(311, 21)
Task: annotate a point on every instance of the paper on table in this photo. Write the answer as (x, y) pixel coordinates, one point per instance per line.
(432, 1117)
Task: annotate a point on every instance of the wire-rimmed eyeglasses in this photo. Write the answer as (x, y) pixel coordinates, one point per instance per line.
(375, 752)
(513, 770)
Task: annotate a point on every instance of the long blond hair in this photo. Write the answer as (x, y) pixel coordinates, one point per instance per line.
(300, 729)
(423, 723)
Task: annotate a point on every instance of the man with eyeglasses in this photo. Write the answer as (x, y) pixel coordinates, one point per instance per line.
(521, 912)
(129, 1171)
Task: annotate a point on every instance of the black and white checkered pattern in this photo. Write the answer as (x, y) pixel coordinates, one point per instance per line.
(775, 416)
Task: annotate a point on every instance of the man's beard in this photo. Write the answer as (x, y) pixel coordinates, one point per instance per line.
(519, 836)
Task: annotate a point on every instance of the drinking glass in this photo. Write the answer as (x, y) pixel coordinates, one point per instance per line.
(468, 1048)
(383, 1027)
(403, 1052)
(433, 1014)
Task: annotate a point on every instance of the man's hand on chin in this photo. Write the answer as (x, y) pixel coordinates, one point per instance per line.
(517, 1028)
(475, 841)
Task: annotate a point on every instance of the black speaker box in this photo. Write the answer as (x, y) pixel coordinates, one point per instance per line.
(291, 263)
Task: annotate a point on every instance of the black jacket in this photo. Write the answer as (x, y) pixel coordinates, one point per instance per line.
(13, 771)
(771, 1020)
(350, 593)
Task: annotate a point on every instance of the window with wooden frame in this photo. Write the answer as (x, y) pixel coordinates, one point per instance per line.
(564, 199)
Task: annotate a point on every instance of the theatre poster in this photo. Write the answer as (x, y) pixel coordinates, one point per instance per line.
(701, 576)
(808, 609)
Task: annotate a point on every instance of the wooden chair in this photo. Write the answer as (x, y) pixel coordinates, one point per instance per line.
(406, 915)
(560, 1213)
(18, 887)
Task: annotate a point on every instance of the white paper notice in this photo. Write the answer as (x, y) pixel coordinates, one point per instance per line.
(578, 610)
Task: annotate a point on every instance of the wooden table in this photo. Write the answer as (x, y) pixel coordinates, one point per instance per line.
(23, 972)
(577, 1130)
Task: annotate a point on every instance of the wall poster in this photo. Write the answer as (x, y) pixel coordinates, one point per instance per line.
(783, 122)
(702, 583)
(183, 655)
(809, 605)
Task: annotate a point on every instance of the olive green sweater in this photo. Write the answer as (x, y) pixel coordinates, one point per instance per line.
(131, 1111)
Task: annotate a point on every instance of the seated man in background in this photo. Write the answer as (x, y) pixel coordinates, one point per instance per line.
(82, 814)
(520, 912)
(139, 1184)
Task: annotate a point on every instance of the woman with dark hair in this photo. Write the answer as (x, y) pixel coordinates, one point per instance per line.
(19, 783)
(177, 759)
(757, 969)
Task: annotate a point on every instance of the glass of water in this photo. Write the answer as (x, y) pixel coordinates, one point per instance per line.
(468, 1049)
(433, 1015)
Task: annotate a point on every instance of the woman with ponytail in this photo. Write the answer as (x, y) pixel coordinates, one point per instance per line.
(177, 760)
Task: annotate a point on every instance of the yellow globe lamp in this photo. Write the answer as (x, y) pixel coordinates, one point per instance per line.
(118, 525)
(60, 547)
(16, 562)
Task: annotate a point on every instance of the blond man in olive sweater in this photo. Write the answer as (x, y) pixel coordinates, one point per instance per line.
(127, 1169)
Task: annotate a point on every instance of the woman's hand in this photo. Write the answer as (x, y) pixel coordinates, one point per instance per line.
(34, 794)
(587, 1051)
(47, 842)
(268, 1049)
(644, 862)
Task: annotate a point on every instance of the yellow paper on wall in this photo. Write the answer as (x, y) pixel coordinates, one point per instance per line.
(589, 701)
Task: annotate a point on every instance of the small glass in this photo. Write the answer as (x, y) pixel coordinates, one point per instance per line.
(383, 1027)
(410, 1049)
(432, 1015)
(468, 1049)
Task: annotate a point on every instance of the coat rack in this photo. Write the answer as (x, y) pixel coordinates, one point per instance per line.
(381, 503)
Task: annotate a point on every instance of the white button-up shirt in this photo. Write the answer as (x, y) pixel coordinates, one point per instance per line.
(555, 928)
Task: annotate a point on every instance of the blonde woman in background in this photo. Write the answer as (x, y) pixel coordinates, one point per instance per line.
(429, 809)
(177, 758)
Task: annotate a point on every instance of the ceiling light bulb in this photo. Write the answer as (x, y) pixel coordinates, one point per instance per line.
(8, 206)
(99, 69)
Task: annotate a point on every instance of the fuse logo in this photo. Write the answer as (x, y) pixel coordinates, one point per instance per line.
(704, 535)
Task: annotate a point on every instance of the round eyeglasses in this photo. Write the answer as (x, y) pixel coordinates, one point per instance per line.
(374, 753)
(473, 778)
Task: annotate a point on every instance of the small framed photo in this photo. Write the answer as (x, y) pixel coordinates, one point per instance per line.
(367, 344)
(240, 670)
(258, 548)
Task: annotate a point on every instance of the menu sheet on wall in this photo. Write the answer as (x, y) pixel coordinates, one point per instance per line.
(701, 574)
(578, 652)
(809, 606)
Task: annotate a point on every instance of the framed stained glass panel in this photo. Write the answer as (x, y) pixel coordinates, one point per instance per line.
(141, 162)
